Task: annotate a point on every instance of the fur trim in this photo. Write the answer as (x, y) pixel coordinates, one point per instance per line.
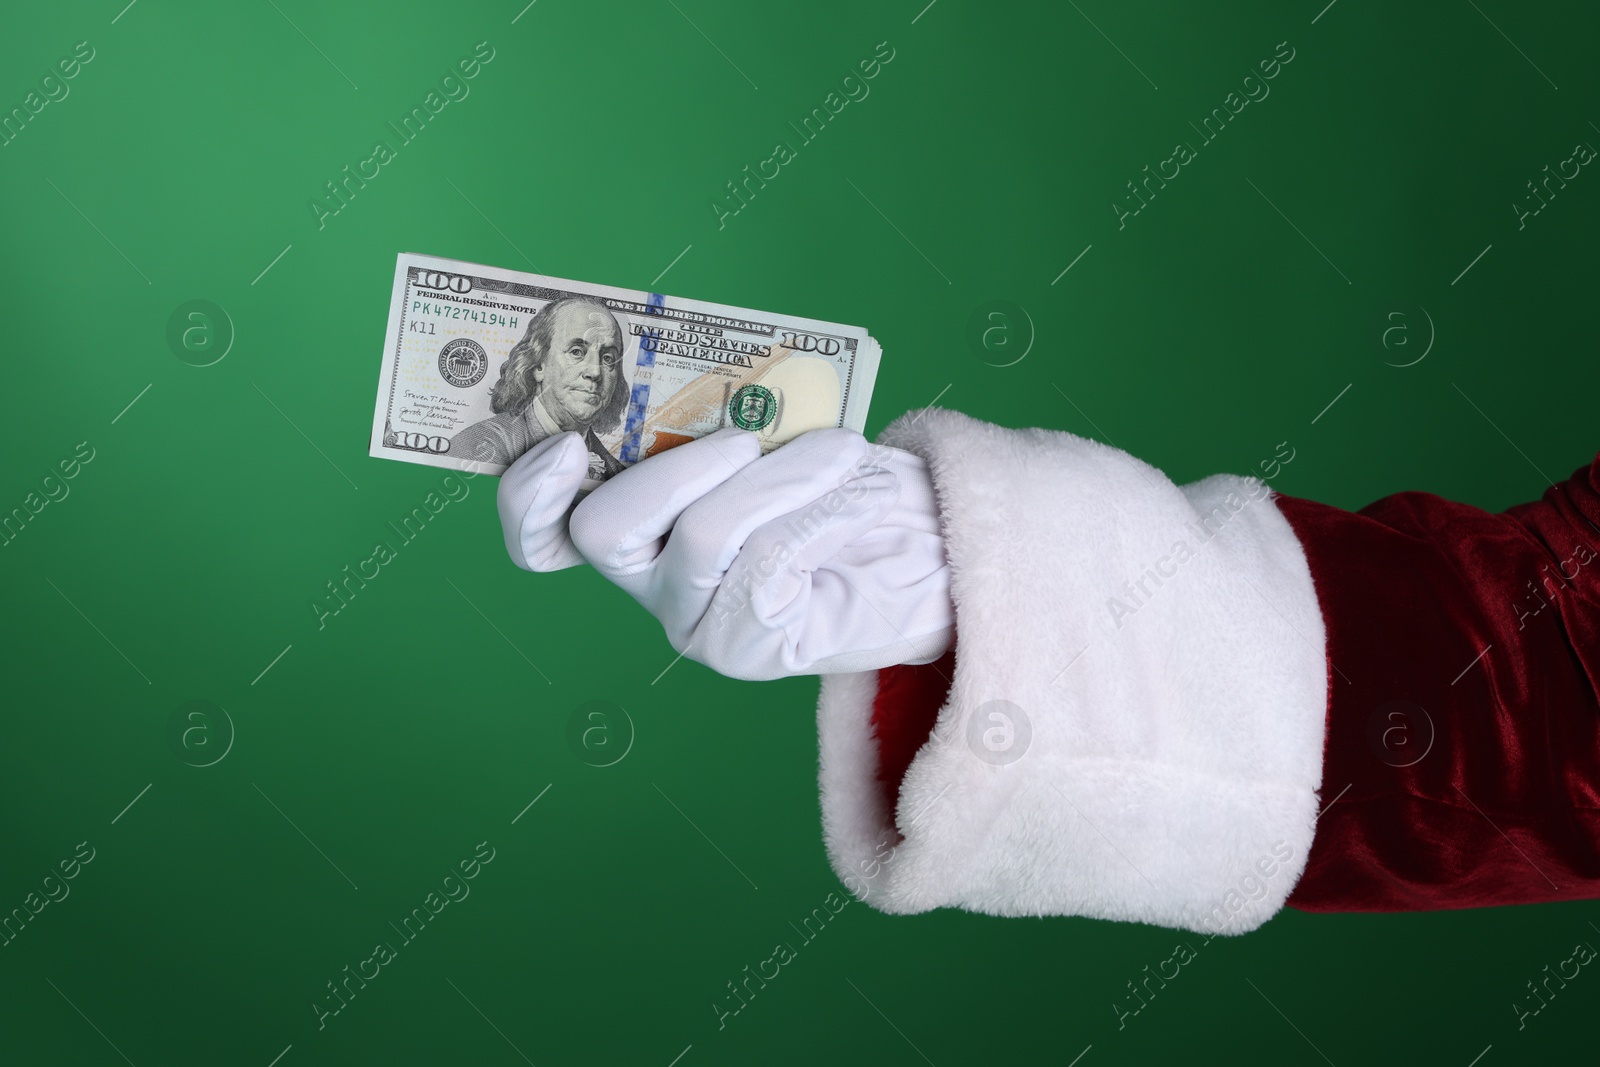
(1166, 707)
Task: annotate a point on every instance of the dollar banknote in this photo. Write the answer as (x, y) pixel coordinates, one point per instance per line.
(482, 363)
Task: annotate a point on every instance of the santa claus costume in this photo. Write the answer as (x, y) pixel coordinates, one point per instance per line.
(1191, 705)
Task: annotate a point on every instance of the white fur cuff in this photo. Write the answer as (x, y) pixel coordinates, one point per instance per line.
(1134, 728)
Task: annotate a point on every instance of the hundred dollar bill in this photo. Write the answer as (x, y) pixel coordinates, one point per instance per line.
(481, 363)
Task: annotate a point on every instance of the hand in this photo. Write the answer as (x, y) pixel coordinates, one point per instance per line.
(536, 493)
(824, 556)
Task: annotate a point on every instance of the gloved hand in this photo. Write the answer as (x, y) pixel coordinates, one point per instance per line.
(823, 557)
(536, 493)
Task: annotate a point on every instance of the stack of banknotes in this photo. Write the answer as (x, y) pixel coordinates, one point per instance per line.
(481, 363)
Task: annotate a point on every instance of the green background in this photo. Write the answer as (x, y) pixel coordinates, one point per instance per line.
(377, 752)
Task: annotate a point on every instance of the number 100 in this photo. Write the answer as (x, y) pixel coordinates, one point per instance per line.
(417, 442)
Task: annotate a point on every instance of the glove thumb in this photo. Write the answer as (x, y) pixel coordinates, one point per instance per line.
(536, 493)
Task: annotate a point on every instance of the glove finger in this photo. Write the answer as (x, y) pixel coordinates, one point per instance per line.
(712, 530)
(534, 497)
(622, 526)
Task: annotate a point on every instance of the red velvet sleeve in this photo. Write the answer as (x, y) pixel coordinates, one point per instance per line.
(1461, 763)
(903, 715)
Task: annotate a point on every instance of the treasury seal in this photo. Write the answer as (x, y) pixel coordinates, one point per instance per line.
(463, 362)
(753, 407)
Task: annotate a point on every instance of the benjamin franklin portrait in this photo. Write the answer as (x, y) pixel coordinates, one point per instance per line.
(565, 374)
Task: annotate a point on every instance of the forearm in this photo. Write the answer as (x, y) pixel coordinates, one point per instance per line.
(1412, 729)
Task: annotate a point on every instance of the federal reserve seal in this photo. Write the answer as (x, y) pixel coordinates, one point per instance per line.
(753, 407)
(463, 362)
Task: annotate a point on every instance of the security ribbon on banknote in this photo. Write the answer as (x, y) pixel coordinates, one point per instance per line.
(482, 363)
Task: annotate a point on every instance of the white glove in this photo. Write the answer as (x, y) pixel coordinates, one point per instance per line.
(536, 492)
(823, 557)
